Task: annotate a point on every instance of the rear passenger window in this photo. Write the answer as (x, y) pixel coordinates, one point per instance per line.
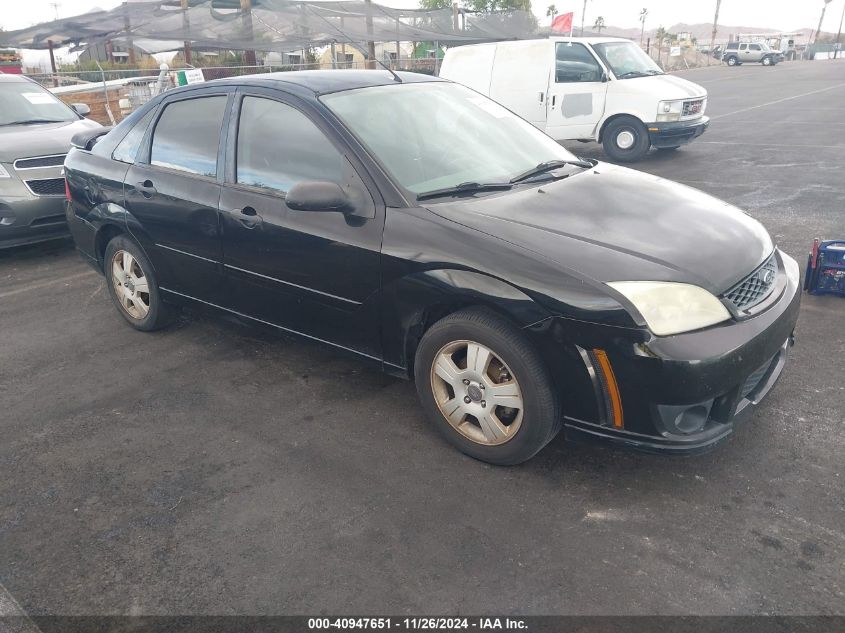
(127, 150)
(187, 135)
(574, 63)
(279, 146)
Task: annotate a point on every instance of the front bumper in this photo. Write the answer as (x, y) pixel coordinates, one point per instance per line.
(675, 133)
(27, 218)
(684, 394)
(31, 219)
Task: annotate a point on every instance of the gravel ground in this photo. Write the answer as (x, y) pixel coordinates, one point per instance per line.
(212, 468)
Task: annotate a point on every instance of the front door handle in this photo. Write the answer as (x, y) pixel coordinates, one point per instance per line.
(146, 188)
(248, 217)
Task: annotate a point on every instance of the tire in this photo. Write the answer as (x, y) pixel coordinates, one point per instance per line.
(144, 311)
(625, 130)
(452, 378)
(732, 61)
(767, 61)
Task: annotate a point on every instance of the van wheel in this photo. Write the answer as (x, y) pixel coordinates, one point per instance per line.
(625, 139)
(485, 387)
(732, 61)
(133, 286)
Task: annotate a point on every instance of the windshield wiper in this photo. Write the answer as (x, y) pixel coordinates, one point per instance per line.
(632, 73)
(549, 165)
(25, 121)
(465, 187)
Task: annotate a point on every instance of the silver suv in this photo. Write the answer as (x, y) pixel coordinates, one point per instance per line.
(737, 53)
(35, 133)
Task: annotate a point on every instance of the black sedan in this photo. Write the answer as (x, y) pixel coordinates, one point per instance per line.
(419, 225)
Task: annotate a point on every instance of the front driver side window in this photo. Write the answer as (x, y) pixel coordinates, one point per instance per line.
(574, 63)
(279, 146)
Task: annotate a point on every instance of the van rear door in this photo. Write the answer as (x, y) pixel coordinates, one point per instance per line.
(520, 78)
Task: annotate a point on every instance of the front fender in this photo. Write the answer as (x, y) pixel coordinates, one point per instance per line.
(413, 302)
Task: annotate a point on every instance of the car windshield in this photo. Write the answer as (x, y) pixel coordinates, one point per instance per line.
(435, 135)
(23, 102)
(627, 60)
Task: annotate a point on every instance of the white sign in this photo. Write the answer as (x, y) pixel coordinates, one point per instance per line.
(675, 51)
(194, 76)
(38, 98)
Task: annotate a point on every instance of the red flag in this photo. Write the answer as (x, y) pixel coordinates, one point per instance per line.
(562, 23)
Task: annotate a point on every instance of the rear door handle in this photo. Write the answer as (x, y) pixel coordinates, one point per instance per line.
(248, 217)
(146, 188)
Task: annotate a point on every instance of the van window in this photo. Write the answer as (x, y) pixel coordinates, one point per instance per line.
(574, 63)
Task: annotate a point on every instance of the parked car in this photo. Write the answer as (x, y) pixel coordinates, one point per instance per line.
(602, 89)
(35, 133)
(421, 226)
(737, 53)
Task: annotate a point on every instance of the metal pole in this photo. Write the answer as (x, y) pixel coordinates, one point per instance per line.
(105, 92)
(715, 30)
(186, 25)
(821, 19)
(371, 45)
(583, 12)
(839, 33)
(52, 62)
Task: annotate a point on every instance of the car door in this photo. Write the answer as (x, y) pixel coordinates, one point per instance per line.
(172, 194)
(314, 273)
(519, 78)
(576, 92)
(755, 52)
(743, 53)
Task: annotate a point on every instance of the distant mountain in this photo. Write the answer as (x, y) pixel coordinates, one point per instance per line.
(702, 32)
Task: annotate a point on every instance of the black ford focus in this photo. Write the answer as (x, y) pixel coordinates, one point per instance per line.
(420, 226)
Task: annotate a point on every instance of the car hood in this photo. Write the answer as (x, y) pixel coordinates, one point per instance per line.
(39, 139)
(664, 87)
(610, 223)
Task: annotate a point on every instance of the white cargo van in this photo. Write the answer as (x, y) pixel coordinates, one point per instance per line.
(600, 89)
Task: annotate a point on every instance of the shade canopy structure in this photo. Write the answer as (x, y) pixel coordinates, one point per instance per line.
(269, 25)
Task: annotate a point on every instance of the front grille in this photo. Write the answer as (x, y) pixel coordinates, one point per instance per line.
(46, 186)
(40, 161)
(694, 107)
(754, 379)
(754, 288)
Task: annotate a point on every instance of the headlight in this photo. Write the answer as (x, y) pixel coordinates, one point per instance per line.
(669, 110)
(671, 308)
(3, 172)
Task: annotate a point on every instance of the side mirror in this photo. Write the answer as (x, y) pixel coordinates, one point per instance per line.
(604, 77)
(318, 195)
(82, 109)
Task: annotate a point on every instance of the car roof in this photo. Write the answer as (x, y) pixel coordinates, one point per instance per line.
(325, 81)
(13, 78)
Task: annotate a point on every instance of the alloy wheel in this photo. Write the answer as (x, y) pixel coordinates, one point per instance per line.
(477, 393)
(130, 284)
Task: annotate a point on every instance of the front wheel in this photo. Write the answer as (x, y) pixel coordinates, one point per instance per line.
(625, 139)
(485, 388)
(767, 61)
(133, 286)
(732, 61)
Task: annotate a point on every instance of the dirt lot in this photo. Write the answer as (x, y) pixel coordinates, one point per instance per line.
(211, 468)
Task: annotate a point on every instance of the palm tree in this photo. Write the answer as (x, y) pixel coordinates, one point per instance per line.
(551, 12)
(643, 15)
(598, 25)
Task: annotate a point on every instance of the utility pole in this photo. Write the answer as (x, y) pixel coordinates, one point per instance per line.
(53, 62)
(583, 12)
(643, 15)
(839, 32)
(186, 26)
(821, 19)
(130, 42)
(371, 45)
(715, 30)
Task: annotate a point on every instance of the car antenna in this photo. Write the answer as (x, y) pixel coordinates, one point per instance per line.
(396, 77)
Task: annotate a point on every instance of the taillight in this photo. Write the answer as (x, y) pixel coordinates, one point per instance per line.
(67, 190)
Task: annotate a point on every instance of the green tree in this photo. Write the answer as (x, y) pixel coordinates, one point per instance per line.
(435, 4)
(598, 25)
(551, 11)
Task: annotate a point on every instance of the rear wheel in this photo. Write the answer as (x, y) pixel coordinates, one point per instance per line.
(485, 388)
(625, 139)
(133, 286)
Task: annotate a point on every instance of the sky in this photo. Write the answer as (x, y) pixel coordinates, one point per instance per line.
(775, 14)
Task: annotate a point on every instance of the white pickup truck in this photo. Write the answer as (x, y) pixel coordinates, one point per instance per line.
(600, 89)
